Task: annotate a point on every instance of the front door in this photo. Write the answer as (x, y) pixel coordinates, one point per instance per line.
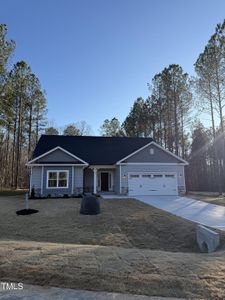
(104, 181)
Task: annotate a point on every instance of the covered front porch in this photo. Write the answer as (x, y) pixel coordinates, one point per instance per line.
(99, 179)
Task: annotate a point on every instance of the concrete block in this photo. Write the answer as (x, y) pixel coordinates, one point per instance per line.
(207, 239)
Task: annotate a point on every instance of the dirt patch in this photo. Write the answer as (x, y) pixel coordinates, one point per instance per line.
(218, 200)
(125, 223)
(115, 269)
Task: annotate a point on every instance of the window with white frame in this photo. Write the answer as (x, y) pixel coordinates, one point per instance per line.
(57, 179)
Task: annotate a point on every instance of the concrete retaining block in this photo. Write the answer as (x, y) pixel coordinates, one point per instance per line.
(207, 239)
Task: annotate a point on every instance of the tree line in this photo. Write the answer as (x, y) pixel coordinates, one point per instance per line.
(22, 115)
(167, 115)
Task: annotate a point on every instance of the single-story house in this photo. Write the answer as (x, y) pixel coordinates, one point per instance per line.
(70, 165)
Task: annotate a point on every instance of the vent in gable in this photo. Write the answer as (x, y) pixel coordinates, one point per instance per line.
(151, 151)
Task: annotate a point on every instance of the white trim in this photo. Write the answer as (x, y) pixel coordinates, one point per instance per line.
(184, 180)
(95, 180)
(120, 179)
(58, 165)
(31, 175)
(111, 181)
(153, 164)
(155, 144)
(57, 187)
(102, 166)
(72, 185)
(42, 177)
(54, 149)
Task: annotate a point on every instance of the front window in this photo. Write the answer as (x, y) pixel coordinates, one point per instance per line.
(57, 179)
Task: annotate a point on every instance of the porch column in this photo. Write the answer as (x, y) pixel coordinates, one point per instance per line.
(95, 180)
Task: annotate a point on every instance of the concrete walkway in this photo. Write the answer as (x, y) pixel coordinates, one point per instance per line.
(200, 212)
(35, 292)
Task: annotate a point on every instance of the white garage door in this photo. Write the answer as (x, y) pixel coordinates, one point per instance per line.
(152, 184)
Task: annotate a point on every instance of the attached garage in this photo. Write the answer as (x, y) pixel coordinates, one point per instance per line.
(156, 183)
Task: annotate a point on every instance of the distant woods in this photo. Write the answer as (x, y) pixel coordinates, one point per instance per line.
(22, 115)
(164, 115)
(207, 156)
(168, 115)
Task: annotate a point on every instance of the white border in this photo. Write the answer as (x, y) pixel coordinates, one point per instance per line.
(155, 144)
(54, 149)
(57, 187)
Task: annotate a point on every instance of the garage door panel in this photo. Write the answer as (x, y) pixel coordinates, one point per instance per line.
(152, 184)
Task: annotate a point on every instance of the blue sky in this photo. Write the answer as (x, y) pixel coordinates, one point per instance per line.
(95, 57)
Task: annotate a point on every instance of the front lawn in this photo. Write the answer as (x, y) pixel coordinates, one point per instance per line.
(130, 247)
(123, 222)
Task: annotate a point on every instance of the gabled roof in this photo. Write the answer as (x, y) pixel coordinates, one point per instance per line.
(91, 149)
(156, 145)
(54, 149)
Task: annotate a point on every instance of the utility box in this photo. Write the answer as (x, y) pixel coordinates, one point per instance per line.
(90, 205)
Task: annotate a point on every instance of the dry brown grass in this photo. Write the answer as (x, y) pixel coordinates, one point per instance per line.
(129, 248)
(100, 268)
(124, 223)
(218, 200)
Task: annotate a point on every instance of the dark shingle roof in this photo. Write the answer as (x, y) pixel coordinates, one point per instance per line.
(92, 149)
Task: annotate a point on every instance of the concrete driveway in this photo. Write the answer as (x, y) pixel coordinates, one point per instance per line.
(200, 212)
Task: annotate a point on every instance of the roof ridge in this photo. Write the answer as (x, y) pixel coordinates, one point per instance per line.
(94, 136)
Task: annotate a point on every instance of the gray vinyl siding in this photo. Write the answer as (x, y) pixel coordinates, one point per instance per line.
(159, 156)
(77, 186)
(78, 180)
(88, 180)
(125, 169)
(117, 179)
(36, 177)
(58, 156)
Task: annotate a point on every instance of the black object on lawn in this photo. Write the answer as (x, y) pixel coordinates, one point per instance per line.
(90, 205)
(28, 211)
